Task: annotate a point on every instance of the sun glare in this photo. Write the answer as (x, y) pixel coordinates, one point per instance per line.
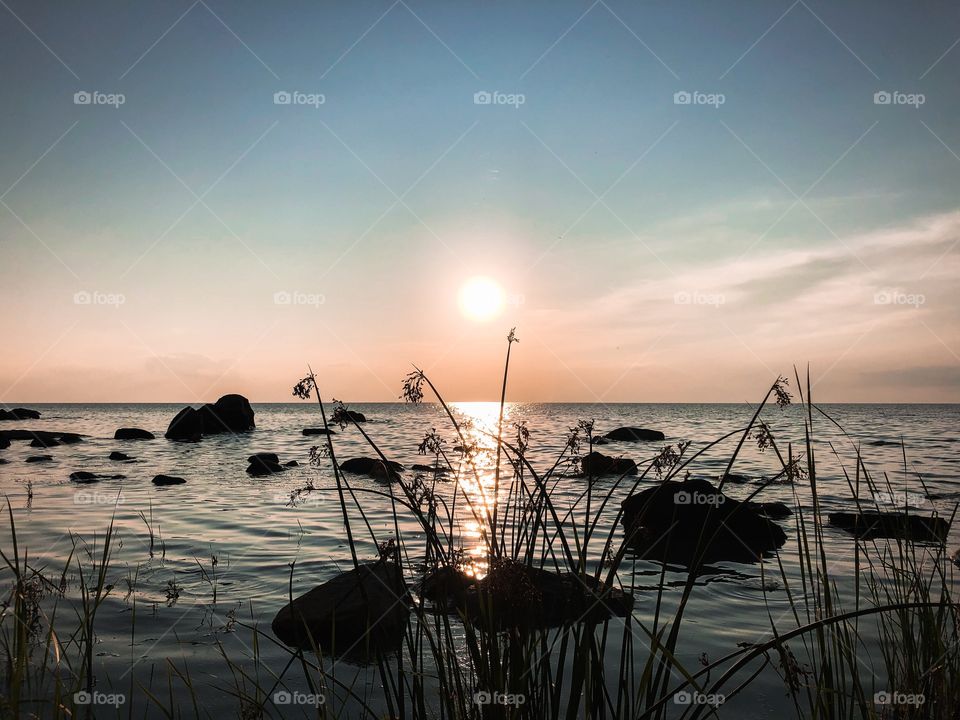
(481, 298)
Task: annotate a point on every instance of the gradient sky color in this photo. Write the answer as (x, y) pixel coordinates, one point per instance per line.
(648, 250)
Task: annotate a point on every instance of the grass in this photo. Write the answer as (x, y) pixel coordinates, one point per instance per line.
(891, 627)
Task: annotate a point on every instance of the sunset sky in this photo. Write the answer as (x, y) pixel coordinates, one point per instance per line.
(201, 238)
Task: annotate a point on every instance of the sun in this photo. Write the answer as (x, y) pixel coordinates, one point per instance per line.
(481, 298)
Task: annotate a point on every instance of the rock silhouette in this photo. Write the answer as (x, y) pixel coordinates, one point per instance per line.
(870, 525)
(263, 464)
(84, 477)
(231, 413)
(596, 464)
(359, 614)
(19, 414)
(633, 434)
(119, 456)
(374, 467)
(133, 434)
(168, 480)
(691, 522)
(318, 431)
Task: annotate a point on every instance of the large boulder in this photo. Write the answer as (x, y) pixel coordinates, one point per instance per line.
(231, 413)
(359, 614)
(19, 414)
(133, 434)
(691, 522)
(596, 464)
(374, 467)
(870, 525)
(516, 595)
(634, 434)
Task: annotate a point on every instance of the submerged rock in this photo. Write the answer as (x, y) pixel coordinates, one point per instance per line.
(44, 442)
(119, 456)
(263, 464)
(133, 434)
(42, 435)
(168, 480)
(231, 413)
(81, 476)
(374, 467)
(359, 614)
(4, 443)
(691, 523)
(906, 526)
(634, 434)
(596, 464)
(430, 469)
(69, 438)
(318, 431)
(342, 414)
(516, 595)
(19, 414)
(39, 459)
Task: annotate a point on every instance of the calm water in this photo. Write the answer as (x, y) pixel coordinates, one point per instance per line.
(254, 532)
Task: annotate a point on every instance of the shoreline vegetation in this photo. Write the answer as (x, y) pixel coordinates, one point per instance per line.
(528, 632)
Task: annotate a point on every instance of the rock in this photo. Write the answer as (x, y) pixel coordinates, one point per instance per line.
(168, 480)
(264, 464)
(734, 478)
(596, 464)
(318, 431)
(291, 463)
(19, 414)
(430, 469)
(632, 434)
(907, 526)
(4, 443)
(601, 441)
(773, 510)
(359, 614)
(521, 596)
(956, 558)
(119, 456)
(344, 415)
(133, 434)
(691, 523)
(44, 442)
(881, 443)
(69, 438)
(82, 476)
(3, 461)
(39, 459)
(373, 467)
(231, 413)
(63, 437)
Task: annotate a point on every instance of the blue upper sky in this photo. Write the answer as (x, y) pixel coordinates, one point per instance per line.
(649, 249)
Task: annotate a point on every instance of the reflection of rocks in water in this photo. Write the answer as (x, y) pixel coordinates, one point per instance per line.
(870, 525)
(516, 595)
(691, 522)
(357, 615)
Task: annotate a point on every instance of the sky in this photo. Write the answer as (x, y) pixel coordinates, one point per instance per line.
(678, 202)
